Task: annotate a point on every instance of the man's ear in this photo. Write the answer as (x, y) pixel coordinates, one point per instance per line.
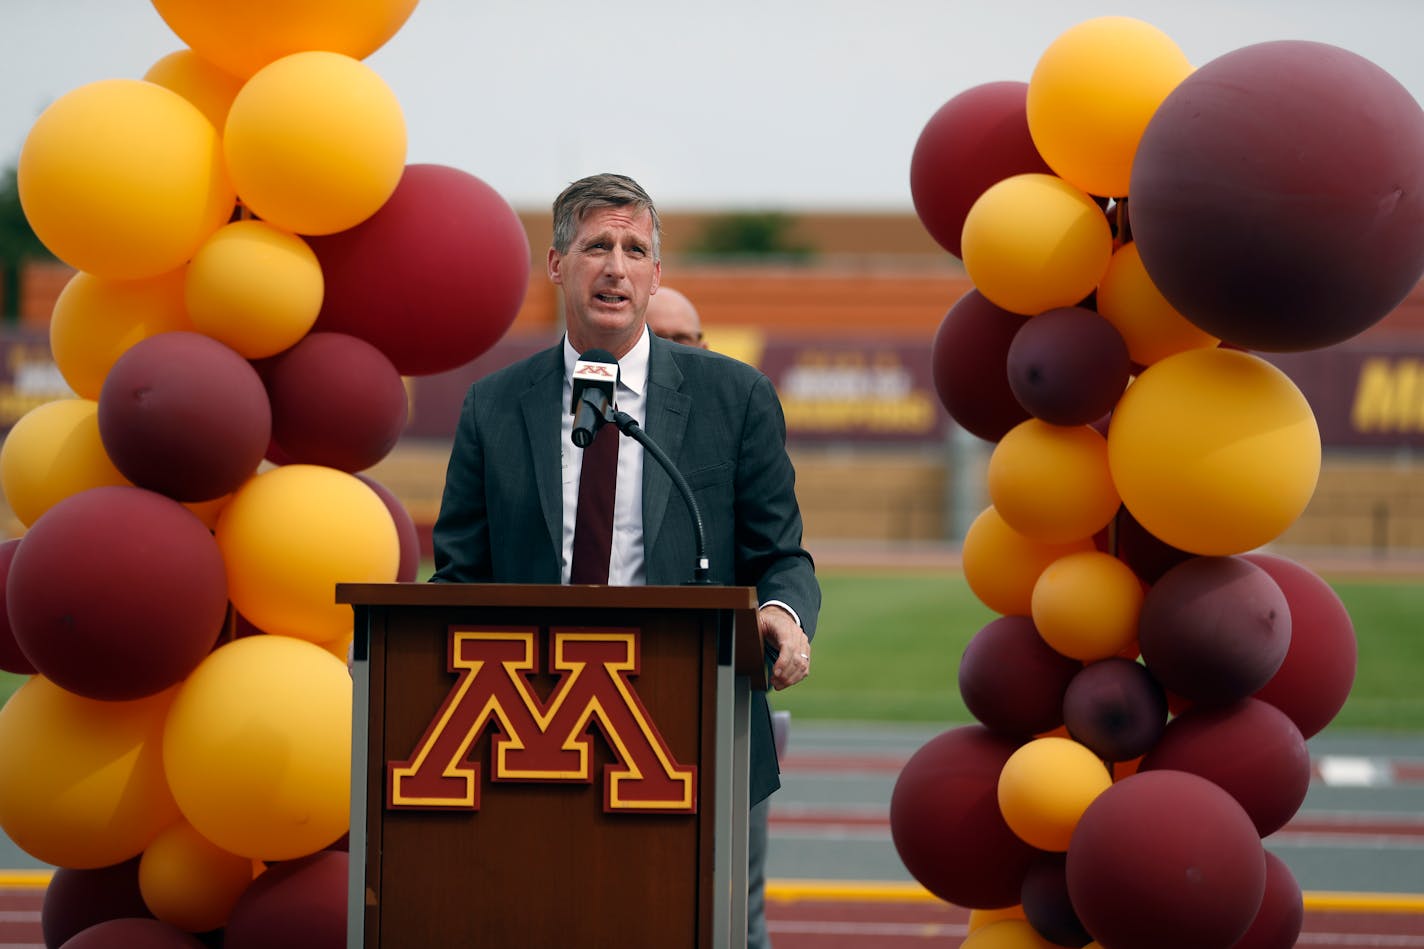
(657, 276)
(553, 264)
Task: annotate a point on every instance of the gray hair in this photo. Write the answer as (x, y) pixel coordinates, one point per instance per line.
(605, 190)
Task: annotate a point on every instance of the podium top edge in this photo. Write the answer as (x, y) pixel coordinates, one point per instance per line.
(547, 595)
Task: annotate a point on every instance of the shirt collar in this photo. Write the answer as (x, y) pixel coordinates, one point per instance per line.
(632, 368)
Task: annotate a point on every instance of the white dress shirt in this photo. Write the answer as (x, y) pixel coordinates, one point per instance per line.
(626, 567)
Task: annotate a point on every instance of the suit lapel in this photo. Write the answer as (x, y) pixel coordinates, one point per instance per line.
(667, 411)
(541, 427)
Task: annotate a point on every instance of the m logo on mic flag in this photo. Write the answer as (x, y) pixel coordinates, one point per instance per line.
(543, 740)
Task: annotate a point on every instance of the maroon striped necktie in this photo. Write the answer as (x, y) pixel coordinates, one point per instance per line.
(593, 522)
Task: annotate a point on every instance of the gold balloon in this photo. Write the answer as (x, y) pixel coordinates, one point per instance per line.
(1046, 786)
(1086, 606)
(123, 178)
(241, 38)
(83, 782)
(189, 882)
(1001, 565)
(52, 452)
(979, 918)
(258, 748)
(289, 535)
(1006, 934)
(1151, 327)
(254, 287)
(1034, 242)
(96, 320)
(1051, 482)
(1214, 451)
(315, 143)
(1092, 94)
(200, 82)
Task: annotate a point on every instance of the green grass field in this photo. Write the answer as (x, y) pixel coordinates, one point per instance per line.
(889, 644)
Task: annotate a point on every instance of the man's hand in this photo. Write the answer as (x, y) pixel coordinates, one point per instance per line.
(780, 631)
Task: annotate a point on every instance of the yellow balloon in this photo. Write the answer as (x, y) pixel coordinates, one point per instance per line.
(1001, 565)
(289, 535)
(189, 882)
(1046, 786)
(315, 143)
(1214, 451)
(243, 37)
(1151, 327)
(83, 782)
(96, 320)
(123, 178)
(979, 918)
(1034, 242)
(258, 748)
(1092, 94)
(254, 287)
(52, 452)
(196, 79)
(1051, 482)
(1086, 606)
(1006, 934)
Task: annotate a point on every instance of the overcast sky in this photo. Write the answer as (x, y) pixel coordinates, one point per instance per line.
(787, 104)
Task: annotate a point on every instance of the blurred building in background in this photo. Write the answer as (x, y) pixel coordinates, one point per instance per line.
(840, 311)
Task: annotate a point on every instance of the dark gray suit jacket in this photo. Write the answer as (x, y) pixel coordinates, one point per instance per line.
(719, 420)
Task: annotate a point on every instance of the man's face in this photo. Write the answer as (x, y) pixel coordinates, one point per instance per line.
(608, 275)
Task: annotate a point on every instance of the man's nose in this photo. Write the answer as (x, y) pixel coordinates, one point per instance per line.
(615, 262)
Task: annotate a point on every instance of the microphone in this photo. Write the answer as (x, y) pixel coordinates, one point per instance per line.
(595, 377)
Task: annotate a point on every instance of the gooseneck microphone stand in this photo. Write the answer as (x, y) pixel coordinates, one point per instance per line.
(629, 426)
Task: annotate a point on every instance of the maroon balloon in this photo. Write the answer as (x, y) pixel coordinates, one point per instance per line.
(184, 415)
(74, 900)
(295, 904)
(1046, 904)
(1012, 681)
(1314, 681)
(1166, 860)
(946, 825)
(975, 140)
(12, 659)
(1214, 629)
(409, 537)
(117, 593)
(1068, 366)
(434, 278)
(336, 401)
(1147, 554)
(1251, 750)
(1282, 915)
(133, 934)
(968, 359)
(1278, 195)
(1115, 708)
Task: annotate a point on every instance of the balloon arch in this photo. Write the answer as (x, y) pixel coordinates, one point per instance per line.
(1134, 228)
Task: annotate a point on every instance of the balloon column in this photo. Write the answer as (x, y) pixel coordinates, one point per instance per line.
(257, 267)
(1134, 228)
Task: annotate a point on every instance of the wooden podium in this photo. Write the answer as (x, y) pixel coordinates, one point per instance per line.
(541, 766)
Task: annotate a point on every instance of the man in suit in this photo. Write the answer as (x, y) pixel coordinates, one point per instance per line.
(672, 316)
(511, 489)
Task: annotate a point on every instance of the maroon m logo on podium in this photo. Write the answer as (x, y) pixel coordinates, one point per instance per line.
(543, 739)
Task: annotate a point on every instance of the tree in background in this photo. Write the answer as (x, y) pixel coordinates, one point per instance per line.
(757, 234)
(18, 243)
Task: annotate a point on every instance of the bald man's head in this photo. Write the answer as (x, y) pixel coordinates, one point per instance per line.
(672, 316)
